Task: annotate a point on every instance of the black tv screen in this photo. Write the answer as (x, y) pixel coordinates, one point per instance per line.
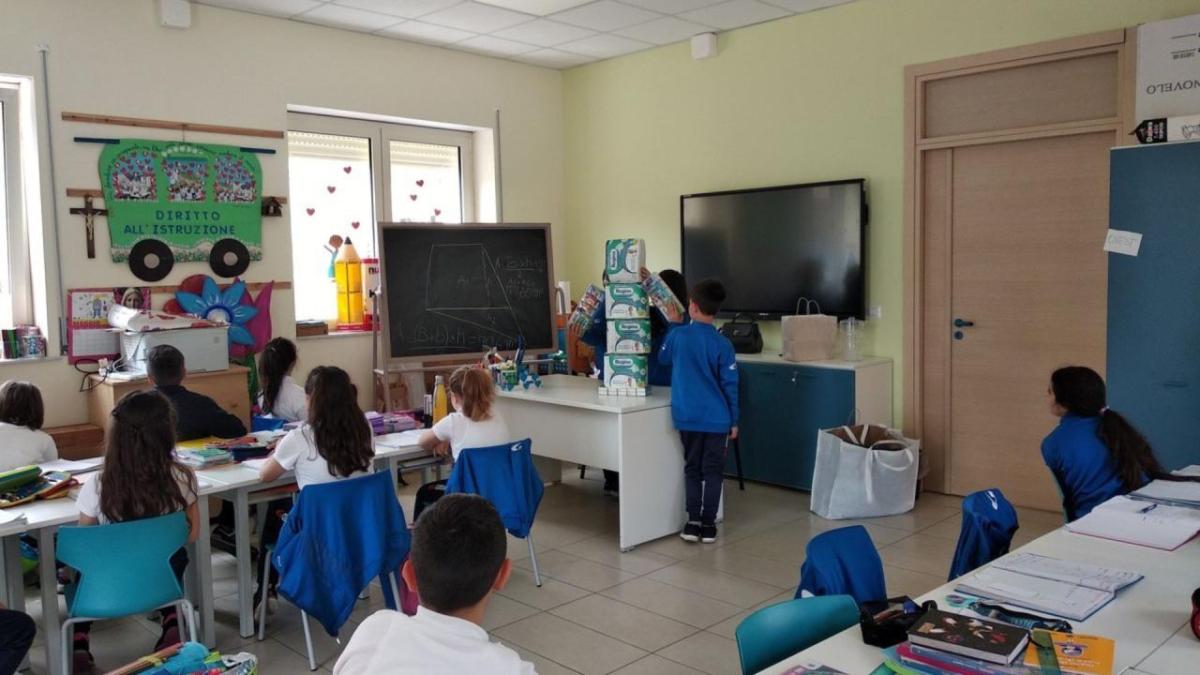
(772, 246)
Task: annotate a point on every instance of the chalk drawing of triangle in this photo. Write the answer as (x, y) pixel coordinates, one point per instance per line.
(462, 284)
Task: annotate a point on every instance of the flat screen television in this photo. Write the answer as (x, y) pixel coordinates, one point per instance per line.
(772, 246)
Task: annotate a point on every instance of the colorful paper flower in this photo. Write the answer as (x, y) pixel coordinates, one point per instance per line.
(221, 306)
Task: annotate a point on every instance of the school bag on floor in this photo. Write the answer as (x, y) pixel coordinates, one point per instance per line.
(864, 471)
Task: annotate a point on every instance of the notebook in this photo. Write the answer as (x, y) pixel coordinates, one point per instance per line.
(1057, 598)
(1135, 521)
(968, 636)
(1176, 493)
(1080, 574)
(1070, 654)
(10, 518)
(73, 466)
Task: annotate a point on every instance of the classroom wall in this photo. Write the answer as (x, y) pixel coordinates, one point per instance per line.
(244, 70)
(813, 97)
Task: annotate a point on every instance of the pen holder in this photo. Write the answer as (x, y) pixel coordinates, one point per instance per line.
(885, 623)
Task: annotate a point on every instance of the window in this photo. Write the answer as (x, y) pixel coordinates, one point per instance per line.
(346, 176)
(16, 282)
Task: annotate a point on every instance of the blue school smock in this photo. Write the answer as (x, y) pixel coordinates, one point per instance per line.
(1081, 464)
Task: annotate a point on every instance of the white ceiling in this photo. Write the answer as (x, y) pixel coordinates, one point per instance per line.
(551, 33)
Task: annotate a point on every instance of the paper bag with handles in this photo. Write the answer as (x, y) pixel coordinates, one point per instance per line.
(809, 336)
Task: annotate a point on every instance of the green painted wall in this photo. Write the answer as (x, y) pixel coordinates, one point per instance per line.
(813, 97)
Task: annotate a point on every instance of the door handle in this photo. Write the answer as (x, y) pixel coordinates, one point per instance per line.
(963, 323)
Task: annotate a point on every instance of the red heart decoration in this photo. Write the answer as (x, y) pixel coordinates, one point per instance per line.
(311, 211)
(420, 183)
(354, 224)
(413, 197)
(347, 168)
(437, 212)
(331, 188)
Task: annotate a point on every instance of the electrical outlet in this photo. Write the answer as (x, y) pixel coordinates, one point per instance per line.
(875, 312)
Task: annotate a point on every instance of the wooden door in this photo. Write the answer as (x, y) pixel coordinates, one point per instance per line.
(1006, 213)
(1028, 220)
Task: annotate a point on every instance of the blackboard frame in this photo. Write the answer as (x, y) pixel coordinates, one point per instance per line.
(385, 322)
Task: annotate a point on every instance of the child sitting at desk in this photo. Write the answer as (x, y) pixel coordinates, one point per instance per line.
(475, 423)
(22, 441)
(281, 397)
(1094, 453)
(198, 416)
(457, 561)
(336, 443)
(140, 479)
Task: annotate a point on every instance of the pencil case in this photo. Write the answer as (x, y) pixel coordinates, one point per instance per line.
(885, 623)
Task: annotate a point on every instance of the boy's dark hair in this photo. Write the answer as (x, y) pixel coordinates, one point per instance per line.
(21, 405)
(458, 548)
(708, 296)
(165, 365)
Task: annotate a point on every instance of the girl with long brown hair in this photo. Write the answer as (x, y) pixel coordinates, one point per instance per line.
(1094, 453)
(141, 479)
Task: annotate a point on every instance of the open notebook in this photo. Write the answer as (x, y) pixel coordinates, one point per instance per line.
(1063, 588)
(1139, 522)
(1175, 493)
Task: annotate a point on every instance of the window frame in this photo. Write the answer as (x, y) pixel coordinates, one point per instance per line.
(16, 284)
(379, 135)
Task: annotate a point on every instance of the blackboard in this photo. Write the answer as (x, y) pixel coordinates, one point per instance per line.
(463, 289)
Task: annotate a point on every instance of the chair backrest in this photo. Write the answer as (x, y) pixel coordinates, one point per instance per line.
(505, 476)
(125, 568)
(774, 633)
(337, 537)
(843, 562)
(989, 522)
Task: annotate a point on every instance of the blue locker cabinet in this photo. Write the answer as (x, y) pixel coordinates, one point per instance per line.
(1154, 298)
(784, 404)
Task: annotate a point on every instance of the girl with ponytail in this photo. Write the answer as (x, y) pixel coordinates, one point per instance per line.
(475, 423)
(281, 397)
(1094, 453)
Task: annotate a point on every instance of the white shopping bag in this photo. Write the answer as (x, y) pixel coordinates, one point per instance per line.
(853, 481)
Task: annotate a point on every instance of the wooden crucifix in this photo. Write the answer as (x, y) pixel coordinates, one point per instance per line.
(89, 214)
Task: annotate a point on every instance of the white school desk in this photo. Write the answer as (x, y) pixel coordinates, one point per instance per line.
(568, 420)
(1148, 620)
(232, 482)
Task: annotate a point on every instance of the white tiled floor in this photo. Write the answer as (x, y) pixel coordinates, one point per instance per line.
(666, 607)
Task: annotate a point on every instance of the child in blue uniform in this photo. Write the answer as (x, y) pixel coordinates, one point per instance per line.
(1094, 453)
(704, 405)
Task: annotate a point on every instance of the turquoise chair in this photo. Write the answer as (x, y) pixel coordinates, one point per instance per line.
(774, 633)
(124, 569)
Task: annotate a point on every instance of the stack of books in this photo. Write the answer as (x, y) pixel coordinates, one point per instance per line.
(961, 645)
(204, 458)
(391, 422)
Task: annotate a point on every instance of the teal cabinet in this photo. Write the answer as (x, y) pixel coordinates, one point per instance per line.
(782, 408)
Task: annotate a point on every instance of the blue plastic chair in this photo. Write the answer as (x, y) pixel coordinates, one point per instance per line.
(989, 522)
(843, 562)
(124, 569)
(774, 633)
(505, 476)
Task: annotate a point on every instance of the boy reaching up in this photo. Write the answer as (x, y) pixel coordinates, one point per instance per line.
(704, 405)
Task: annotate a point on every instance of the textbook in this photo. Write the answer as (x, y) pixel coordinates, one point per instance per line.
(1069, 653)
(1063, 588)
(1134, 521)
(981, 639)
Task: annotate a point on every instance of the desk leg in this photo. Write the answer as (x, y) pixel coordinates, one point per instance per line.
(200, 572)
(48, 576)
(241, 515)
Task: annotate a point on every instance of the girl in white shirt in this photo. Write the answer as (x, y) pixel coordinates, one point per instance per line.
(281, 397)
(22, 441)
(475, 423)
(336, 443)
(141, 479)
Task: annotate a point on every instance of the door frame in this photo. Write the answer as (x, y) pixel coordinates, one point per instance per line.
(916, 143)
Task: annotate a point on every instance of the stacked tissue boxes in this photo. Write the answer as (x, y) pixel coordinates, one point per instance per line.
(628, 311)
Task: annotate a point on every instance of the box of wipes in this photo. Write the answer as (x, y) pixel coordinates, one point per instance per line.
(625, 372)
(629, 336)
(624, 260)
(626, 301)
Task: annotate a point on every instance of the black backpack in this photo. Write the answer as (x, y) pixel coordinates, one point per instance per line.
(745, 336)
